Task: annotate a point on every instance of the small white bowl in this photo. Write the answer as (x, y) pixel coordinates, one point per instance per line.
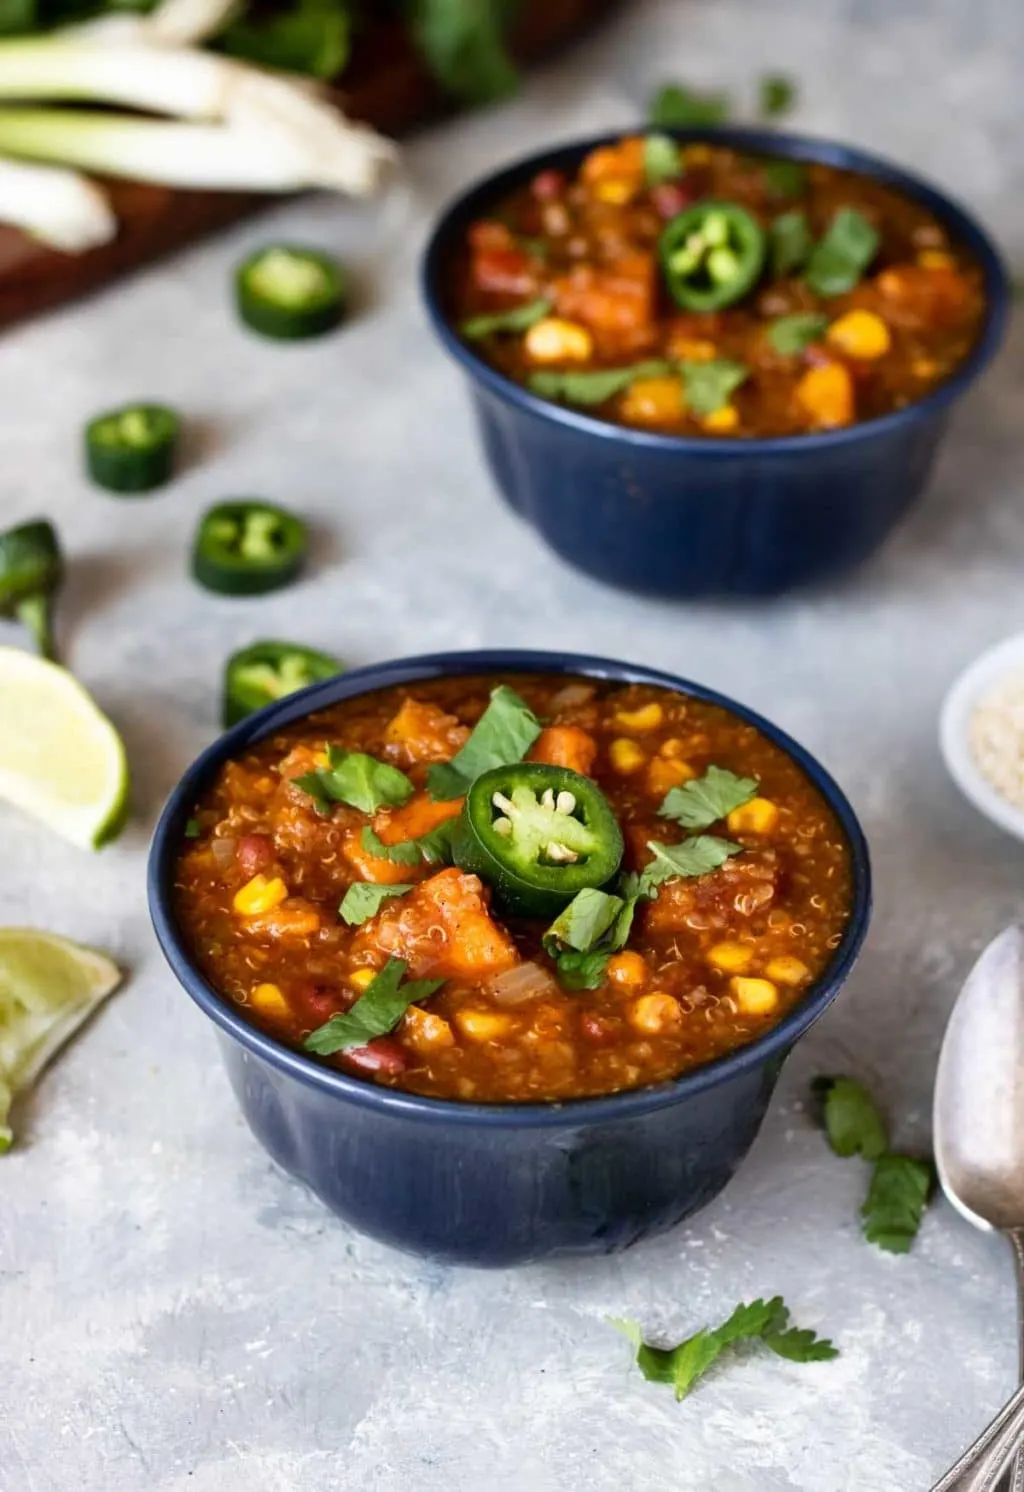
(977, 679)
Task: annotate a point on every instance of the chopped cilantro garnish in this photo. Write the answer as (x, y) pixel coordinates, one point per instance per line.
(596, 386)
(662, 160)
(192, 829)
(354, 778)
(374, 1014)
(434, 848)
(518, 319)
(677, 107)
(840, 257)
(708, 385)
(785, 178)
(789, 335)
(766, 1321)
(789, 242)
(583, 937)
(503, 734)
(694, 857)
(364, 899)
(702, 801)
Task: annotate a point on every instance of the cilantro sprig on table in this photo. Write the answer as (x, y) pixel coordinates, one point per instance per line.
(900, 1186)
(377, 1011)
(354, 778)
(764, 1321)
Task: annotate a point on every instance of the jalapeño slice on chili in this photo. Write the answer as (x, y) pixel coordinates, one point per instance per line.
(289, 292)
(537, 835)
(711, 255)
(132, 449)
(246, 548)
(257, 675)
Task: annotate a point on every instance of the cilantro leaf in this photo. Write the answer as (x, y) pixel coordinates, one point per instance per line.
(312, 37)
(789, 335)
(778, 95)
(843, 254)
(578, 971)
(852, 1121)
(789, 242)
(596, 386)
(374, 1014)
(896, 1200)
(694, 857)
(759, 1320)
(364, 899)
(702, 801)
(708, 385)
(584, 921)
(504, 733)
(433, 848)
(677, 107)
(662, 160)
(518, 319)
(354, 778)
(192, 829)
(463, 41)
(785, 178)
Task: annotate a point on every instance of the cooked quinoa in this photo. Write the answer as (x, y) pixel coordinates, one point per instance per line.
(996, 737)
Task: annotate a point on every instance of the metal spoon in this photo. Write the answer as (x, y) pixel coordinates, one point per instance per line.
(979, 1138)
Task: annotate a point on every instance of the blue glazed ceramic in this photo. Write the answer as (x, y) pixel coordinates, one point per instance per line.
(683, 517)
(510, 1183)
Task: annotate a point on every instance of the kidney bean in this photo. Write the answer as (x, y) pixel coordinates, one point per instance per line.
(380, 1055)
(670, 198)
(254, 853)
(598, 1028)
(547, 185)
(316, 1003)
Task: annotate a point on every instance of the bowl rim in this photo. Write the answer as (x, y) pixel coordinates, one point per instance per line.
(988, 668)
(562, 1113)
(965, 227)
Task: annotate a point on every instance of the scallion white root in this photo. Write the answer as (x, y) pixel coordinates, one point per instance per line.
(59, 207)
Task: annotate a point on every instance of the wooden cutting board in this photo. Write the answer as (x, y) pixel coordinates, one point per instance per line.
(385, 84)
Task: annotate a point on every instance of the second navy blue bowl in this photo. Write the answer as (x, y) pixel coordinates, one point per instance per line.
(495, 1184)
(679, 516)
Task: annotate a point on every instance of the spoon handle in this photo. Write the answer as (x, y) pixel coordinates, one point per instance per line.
(1015, 1481)
(979, 1469)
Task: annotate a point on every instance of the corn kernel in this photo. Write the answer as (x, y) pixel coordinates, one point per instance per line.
(483, 1025)
(936, 259)
(260, 895)
(759, 816)
(721, 421)
(648, 717)
(427, 1031)
(627, 968)
(653, 401)
(693, 349)
(788, 970)
(362, 978)
(666, 773)
(553, 340)
(731, 958)
(924, 367)
(616, 190)
(268, 1000)
(860, 334)
(826, 393)
(697, 155)
(654, 1013)
(755, 996)
(625, 755)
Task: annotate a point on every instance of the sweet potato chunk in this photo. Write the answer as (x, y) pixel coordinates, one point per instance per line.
(565, 746)
(746, 885)
(424, 733)
(616, 303)
(442, 929)
(417, 817)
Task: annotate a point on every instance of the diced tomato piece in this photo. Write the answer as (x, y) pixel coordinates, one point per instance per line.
(505, 272)
(547, 185)
(255, 853)
(380, 1055)
(565, 746)
(442, 928)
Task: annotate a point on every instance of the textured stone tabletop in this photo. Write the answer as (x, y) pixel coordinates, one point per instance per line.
(174, 1313)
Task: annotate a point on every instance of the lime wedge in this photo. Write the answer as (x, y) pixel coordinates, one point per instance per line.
(48, 987)
(60, 759)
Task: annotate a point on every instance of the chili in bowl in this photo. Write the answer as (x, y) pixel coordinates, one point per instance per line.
(715, 361)
(506, 949)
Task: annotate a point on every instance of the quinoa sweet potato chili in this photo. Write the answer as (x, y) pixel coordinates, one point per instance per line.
(699, 290)
(520, 889)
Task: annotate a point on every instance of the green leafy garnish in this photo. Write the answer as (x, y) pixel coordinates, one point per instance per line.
(760, 1320)
(840, 257)
(504, 734)
(310, 36)
(785, 178)
(192, 829)
(852, 1120)
(596, 386)
(662, 161)
(518, 319)
(364, 899)
(434, 848)
(676, 107)
(790, 335)
(702, 801)
(789, 242)
(708, 385)
(354, 778)
(464, 43)
(778, 95)
(374, 1014)
(578, 971)
(694, 857)
(583, 937)
(896, 1200)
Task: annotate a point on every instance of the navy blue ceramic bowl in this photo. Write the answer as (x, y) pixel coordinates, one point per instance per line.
(495, 1184)
(684, 517)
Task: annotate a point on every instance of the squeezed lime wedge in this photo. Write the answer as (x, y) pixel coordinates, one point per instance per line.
(48, 987)
(60, 758)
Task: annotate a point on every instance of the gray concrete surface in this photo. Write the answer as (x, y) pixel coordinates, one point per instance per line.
(174, 1314)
